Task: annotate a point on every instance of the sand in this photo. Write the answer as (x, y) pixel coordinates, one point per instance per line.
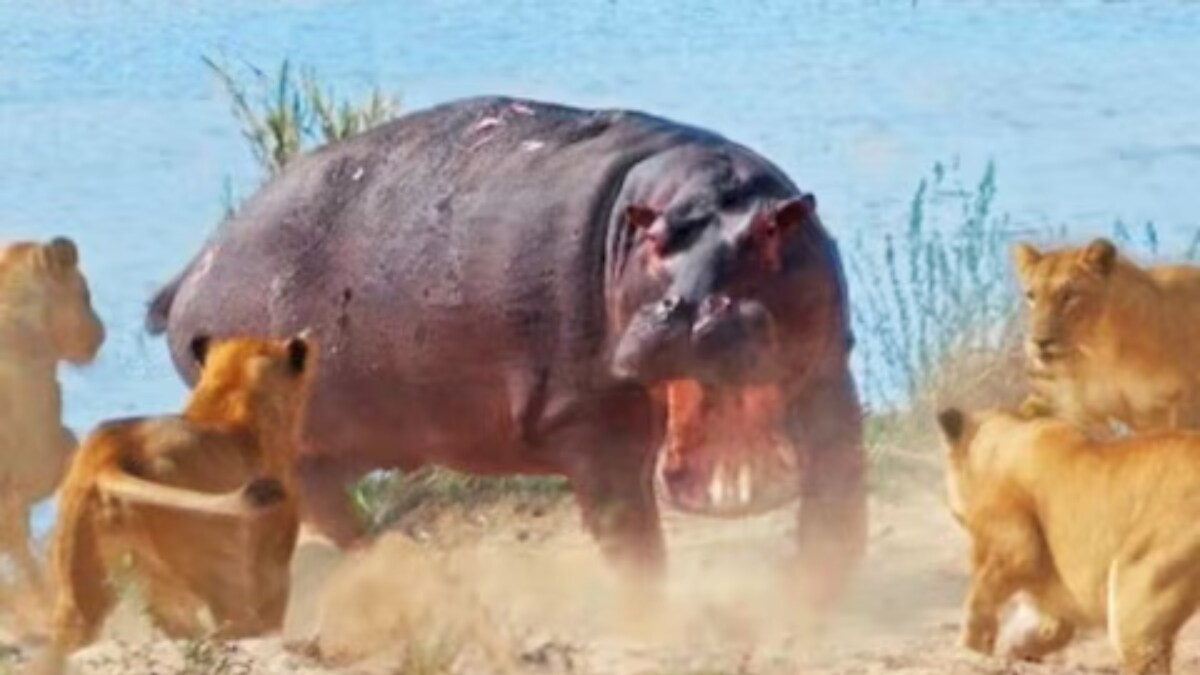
(503, 590)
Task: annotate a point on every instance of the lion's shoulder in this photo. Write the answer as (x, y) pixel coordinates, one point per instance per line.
(171, 449)
(1179, 282)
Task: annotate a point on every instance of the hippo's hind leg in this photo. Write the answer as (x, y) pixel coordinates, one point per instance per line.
(609, 460)
(833, 510)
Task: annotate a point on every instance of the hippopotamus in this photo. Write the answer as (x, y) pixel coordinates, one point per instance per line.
(511, 286)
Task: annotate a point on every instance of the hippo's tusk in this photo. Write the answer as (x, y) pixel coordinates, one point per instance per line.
(745, 484)
(716, 487)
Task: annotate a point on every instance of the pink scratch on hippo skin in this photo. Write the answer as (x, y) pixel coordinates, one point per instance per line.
(522, 109)
(484, 124)
(206, 263)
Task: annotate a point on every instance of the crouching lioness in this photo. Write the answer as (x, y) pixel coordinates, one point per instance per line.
(198, 509)
(46, 316)
(1094, 532)
(1109, 341)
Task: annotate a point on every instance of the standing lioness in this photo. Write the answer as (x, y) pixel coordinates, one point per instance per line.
(201, 505)
(1107, 340)
(46, 317)
(1094, 531)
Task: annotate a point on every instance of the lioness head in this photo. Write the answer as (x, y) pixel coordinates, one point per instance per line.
(41, 285)
(270, 376)
(1066, 291)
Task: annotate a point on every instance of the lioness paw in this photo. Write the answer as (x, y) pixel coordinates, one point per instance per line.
(980, 637)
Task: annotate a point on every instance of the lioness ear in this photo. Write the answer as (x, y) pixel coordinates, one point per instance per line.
(1024, 256)
(1100, 256)
(955, 426)
(59, 255)
(199, 348)
(297, 351)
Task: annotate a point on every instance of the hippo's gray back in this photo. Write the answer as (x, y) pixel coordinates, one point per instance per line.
(439, 221)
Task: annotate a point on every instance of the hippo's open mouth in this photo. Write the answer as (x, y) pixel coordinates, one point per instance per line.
(726, 453)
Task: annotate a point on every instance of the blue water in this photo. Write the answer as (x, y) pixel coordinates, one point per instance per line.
(113, 132)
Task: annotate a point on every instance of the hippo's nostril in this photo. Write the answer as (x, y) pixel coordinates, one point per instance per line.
(674, 307)
(716, 304)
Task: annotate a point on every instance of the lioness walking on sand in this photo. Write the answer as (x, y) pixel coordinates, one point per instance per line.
(1096, 532)
(46, 316)
(202, 504)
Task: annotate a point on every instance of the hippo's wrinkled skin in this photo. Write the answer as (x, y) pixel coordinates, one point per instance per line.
(504, 286)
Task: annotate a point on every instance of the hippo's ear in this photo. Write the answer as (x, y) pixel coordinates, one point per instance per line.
(199, 349)
(793, 212)
(640, 216)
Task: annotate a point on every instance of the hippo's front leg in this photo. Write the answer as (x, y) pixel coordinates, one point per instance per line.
(609, 459)
(833, 509)
(326, 506)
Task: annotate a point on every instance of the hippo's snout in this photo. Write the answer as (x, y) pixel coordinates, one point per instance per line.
(732, 342)
(675, 309)
(655, 346)
(717, 339)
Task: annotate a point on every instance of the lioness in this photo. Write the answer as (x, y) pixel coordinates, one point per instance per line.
(46, 316)
(1109, 341)
(201, 506)
(1091, 530)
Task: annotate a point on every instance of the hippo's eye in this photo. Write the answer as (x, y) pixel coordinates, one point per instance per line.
(681, 231)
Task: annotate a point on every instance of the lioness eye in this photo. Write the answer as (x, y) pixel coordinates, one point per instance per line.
(1029, 296)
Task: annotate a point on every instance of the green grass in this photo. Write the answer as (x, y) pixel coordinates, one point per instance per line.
(936, 313)
(289, 112)
(283, 114)
(934, 309)
(384, 497)
(933, 290)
